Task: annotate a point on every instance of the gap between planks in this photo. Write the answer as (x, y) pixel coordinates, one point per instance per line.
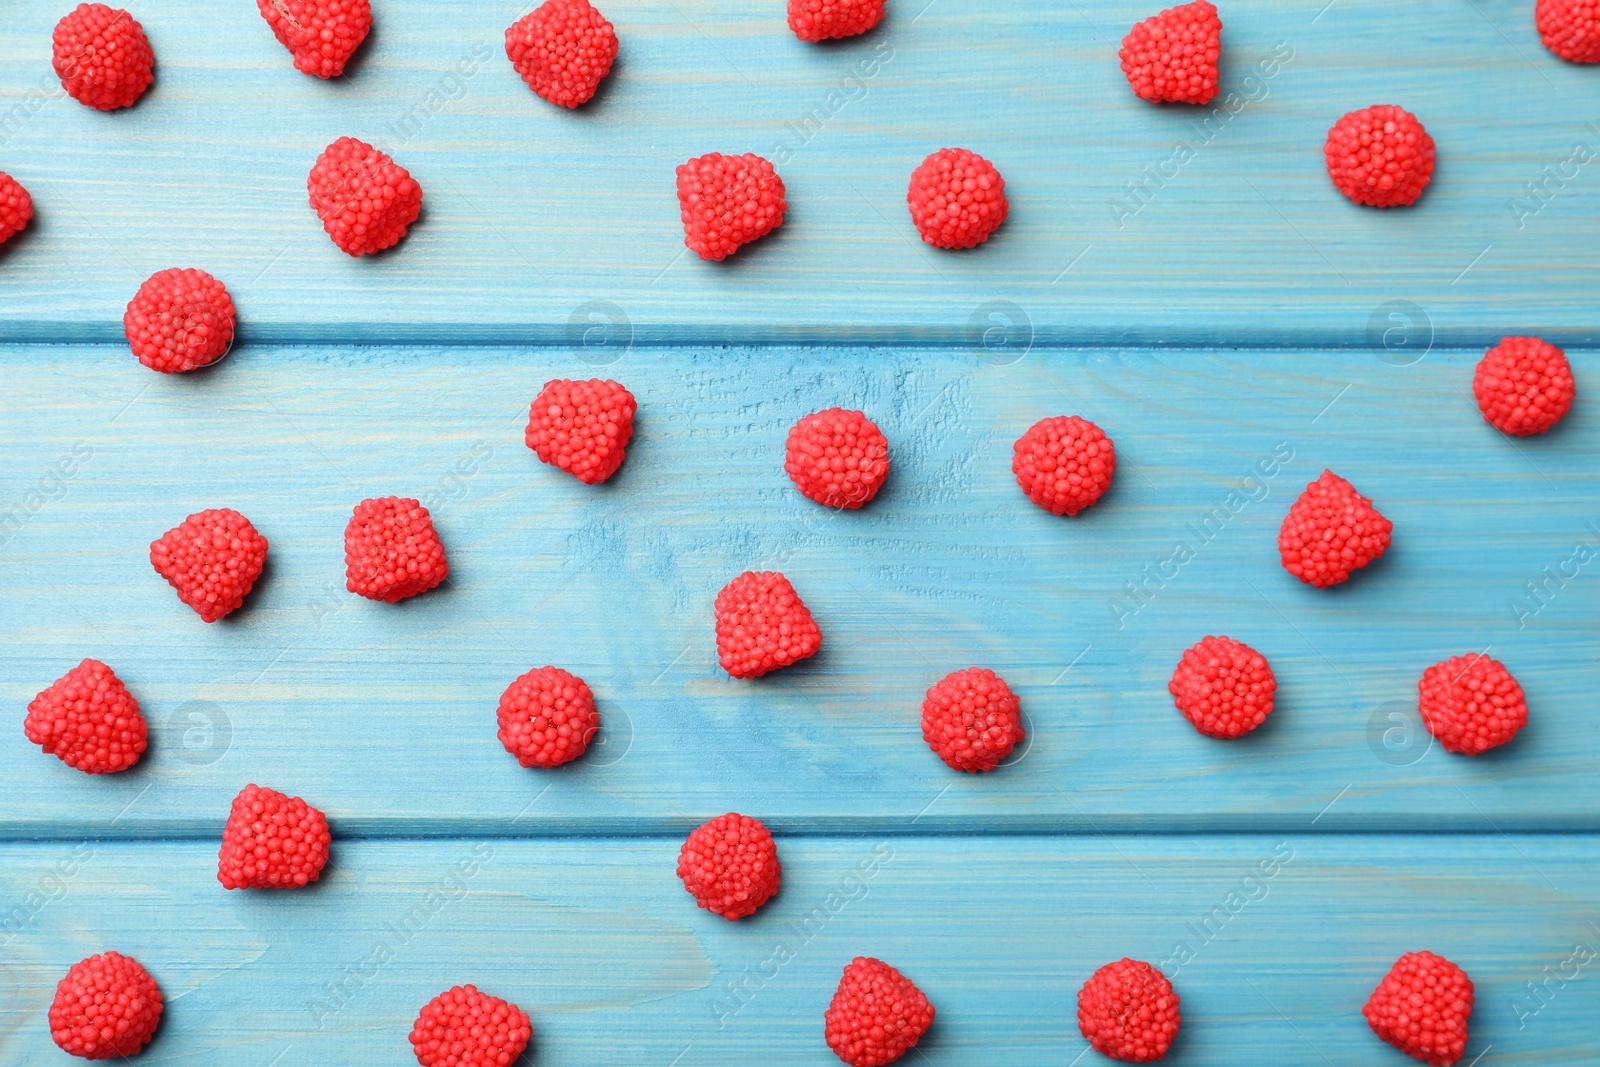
(1588, 838)
(555, 338)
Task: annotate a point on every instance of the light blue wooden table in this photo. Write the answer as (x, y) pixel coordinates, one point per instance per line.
(1236, 309)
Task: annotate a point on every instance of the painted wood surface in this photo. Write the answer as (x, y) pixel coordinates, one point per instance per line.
(1234, 234)
(384, 714)
(554, 236)
(1282, 938)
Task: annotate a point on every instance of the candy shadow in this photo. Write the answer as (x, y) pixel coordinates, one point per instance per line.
(231, 619)
(1502, 753)
(1372, 572)
(746, 256)
(24, 237)
(383, 254)
(998, 238)
(357, 60)
(841, 44)
(814, 664)
(602, 91)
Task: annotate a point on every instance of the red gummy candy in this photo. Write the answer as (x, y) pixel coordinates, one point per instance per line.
(728, 201)
(272, 841)
(102, 56)
(972, 719)
(582, 427)
(818, 20)
(16, 207)
(212, 559)
(1570, 28)
(106, 1007)
(563, 49)
(1331, 531)
(1127, 1010)
(957, 199)
(877, 1014)
(547, 717)
(391, 550)
(179, 319)
(88, 719)
(838, 458)
(730, 865)
(1173, 56)
(1421, 1008)
(1064, 464)
(762, 625)
(1524, 386)
(1380, 156)
(1471, 703)
(462, 1027)
(366, 200)
(321, 35)
(1224, 687)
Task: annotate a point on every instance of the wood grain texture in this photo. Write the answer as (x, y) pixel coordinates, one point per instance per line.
(384, 714)
(1241, 328)
(533, 212)
(1285, 936)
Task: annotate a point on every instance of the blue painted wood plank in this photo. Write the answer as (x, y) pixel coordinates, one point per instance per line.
(1130, 222)
(382, 714)
(1131, 225)
(1285, 937)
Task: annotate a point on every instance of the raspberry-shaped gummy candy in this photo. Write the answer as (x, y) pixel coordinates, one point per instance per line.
(728, 201)
(272, 841)
(730, 865)
(1223, 687)
(366, 200)
(1127, 1010)
(321, 35)
(1524, 386)
(547, 717)
(1471, 703)
(103, 57)
(582, 427)
(16, 207)
(762, 625)
(1421, 1008)
(957, 199)
(1380, 156)
(818, 20)
(106, 1007)
(1064, 464)
(1570, 28)
(462, 1027)
(563, 49)
(89, 720)
(179, 319)
(212, 559)
(1173, 56)
(972, 719)
(391, 550)
(838, 458)
(1331, 531)
(876, 1014)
